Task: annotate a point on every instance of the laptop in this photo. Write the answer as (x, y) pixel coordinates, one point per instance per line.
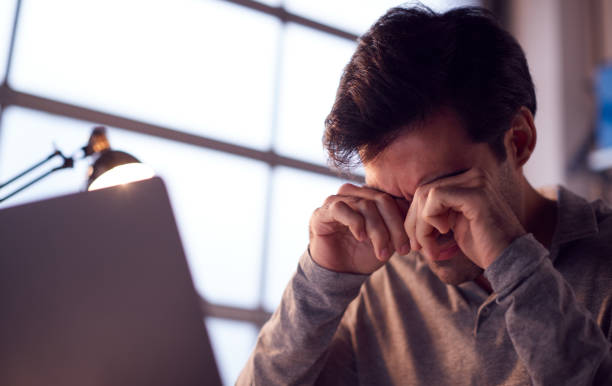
(95, 290)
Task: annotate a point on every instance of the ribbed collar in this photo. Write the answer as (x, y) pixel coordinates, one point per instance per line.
(575, 219)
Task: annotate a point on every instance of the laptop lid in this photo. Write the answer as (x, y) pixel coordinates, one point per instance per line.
(95, 290)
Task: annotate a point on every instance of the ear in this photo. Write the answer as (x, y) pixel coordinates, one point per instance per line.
(520, 139)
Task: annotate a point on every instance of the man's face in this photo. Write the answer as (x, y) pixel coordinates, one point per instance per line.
(437, 149)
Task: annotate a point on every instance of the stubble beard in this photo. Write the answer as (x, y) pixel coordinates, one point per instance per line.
(455, 271)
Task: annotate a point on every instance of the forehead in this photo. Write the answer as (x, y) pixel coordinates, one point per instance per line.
(438, 147)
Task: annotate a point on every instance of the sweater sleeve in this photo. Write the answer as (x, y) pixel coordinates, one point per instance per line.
(292, 346)
(555, 337)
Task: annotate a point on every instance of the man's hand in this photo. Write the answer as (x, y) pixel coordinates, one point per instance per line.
(358, 230)
(468, 204)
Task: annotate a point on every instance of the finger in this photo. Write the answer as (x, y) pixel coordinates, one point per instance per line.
(376, 229)
(444, 200)
(426, 235)
(391, 213)
(348, 189)
(410, 223)
(342, 213)
(436, 213)
(452, 219)
(335, 214)
(468, 178)
(393, 219)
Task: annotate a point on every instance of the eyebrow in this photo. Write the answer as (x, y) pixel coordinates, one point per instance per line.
(451, 174)
(382, 191)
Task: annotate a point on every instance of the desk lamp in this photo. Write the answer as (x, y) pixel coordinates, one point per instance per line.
(110, 167)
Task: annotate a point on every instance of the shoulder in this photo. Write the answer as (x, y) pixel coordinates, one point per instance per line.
(585, 248)
(584, 230)
(603, 215)
(580, 221)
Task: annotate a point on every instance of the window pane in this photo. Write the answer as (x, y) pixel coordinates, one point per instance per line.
(296, 194)
(217, 199)
(7, 14)
(357, 16)
(311, 69)
(28, 137)
(201, 66)
(232, 343)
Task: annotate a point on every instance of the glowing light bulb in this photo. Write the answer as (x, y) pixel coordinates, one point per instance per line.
(122, 174)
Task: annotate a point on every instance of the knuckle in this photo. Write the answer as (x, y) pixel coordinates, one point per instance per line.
(420, 193)
(385, 199)
(358, 222)
(329, 201)
(334, 205)
(367, 205)
(432, 195)
(316, 213)
(346, 187)
(381, 236)
(423, 216)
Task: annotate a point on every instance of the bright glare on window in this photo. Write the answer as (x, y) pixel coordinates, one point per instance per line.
(202, 66)
(26, 138)
(7, 14)
(311, 69)
(295, 196)
(357, 16)
(232, 343)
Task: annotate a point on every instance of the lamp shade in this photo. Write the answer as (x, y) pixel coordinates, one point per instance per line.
(115, 167)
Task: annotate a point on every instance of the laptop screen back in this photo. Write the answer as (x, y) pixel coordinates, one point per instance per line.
(95, 290)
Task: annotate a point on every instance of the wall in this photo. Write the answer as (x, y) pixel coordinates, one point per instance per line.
(536, 25)
(564, 41)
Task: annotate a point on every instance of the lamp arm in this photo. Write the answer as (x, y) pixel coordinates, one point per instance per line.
(68, 163)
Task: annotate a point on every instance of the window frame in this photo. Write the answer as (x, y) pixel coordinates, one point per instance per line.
(12, 97)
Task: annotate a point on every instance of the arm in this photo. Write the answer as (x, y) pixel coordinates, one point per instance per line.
(293, 345)
(351, 235)
(556, 338)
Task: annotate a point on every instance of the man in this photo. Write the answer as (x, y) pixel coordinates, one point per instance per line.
(447, 267)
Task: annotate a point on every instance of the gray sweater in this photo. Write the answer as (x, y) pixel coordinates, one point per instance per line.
(548, 321)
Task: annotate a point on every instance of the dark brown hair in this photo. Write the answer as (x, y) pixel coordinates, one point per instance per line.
(412, 63)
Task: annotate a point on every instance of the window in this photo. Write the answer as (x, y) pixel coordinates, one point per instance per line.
(183, 64)
(224, 99)
(356, 16)
(7, 14)
(303, 192)
(312, 63)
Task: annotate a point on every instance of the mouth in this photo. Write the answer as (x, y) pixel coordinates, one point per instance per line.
(448, 252)
(448, 247)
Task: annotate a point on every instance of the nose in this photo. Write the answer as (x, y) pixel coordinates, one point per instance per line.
(446, 238)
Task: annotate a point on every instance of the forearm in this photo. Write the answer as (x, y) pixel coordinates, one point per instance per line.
(292, 345)
(555, 337)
